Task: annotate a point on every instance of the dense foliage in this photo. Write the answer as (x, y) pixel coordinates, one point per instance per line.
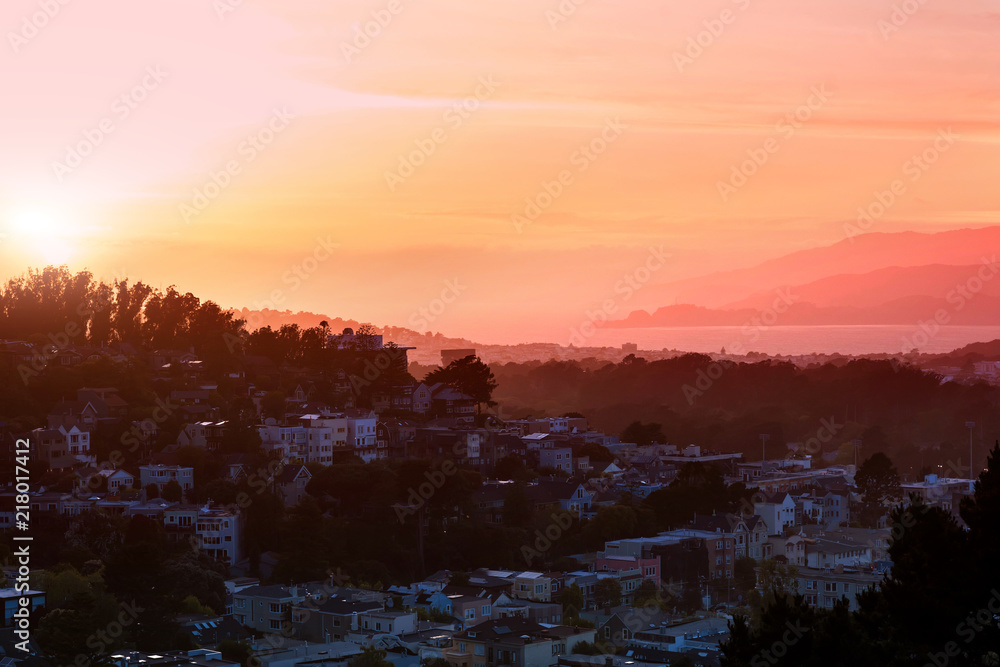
(939, 605)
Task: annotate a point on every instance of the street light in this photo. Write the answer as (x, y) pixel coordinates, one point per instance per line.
(970, 426)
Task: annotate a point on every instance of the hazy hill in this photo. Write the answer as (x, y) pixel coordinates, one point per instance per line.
(862, 254)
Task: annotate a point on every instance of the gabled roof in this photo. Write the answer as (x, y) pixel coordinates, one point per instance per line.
(290, 472)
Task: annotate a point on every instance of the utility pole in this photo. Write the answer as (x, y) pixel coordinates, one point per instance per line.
(764, 437)
(972, 472)
(856, 443)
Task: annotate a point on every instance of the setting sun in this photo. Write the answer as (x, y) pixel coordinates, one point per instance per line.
(42, 233)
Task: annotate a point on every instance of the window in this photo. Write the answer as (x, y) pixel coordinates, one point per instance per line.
(831, 587)
(470, 614)
(275, 625)
(486, 610)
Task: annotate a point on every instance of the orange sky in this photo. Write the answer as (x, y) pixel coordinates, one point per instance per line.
(162, 94)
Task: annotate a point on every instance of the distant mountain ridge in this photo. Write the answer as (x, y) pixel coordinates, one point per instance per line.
(910, 277)
(861, 254)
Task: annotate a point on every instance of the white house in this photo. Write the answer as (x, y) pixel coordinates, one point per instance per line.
(161, 475)
(777, 511)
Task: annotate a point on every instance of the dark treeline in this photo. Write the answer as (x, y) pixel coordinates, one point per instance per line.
(939, 606)
(54, 306)
(902, 411)
(53, 309)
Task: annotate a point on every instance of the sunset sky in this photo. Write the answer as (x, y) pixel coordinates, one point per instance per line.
(332, 114)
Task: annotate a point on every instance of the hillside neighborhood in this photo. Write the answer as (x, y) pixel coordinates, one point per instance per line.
(581, 583)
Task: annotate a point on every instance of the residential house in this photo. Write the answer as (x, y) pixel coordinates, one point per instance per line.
(161, 475)
(290, 483)
(514, 641)
(557, 458)
(332, 619)
(749, 532)
(649, 568)
(269, 608)
(206, 434)
(777, 510)
(823, 587)
(533, 586)
(10, 597)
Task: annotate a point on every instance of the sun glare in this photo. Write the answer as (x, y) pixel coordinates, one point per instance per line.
(42, 234)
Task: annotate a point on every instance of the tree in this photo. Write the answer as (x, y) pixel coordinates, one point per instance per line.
(878, 484)
(517, 510)
(152, 491)
(470, 376)
(745, 575)
(172, 491)
(372, 657)
(364, 337)
(571, 599)
(646, 592)
(236, 651)
(608, 593)
(643, 434)
(273, 404)
(596, 452)
(511, 467)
